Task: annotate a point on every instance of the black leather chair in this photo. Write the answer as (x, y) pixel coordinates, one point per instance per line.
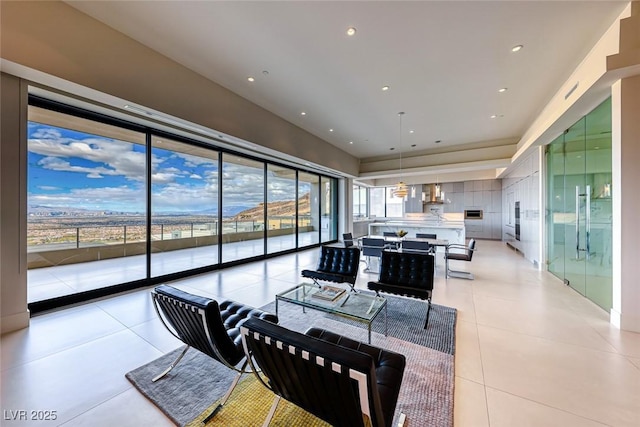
(372, 247)
(390, 245)
(462, 253)
(212, 328)
(408, 274)
(339, 265)
(341, 381)
(347, 238)
(416, 246)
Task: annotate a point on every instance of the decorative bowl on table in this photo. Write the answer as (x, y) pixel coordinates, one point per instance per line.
(401, 233)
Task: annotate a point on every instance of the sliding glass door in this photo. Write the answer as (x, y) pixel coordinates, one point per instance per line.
(579, 224)
(113, 206)
(184, 206)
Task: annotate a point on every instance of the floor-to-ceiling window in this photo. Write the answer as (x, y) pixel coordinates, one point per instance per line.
(184, 206)
(308, 209)
(115, 205)
(579, 219)
(281, 208)
(329, 206)
(86, 201)
(360, 205)
(243, 207)
(394, 203)
(377, 205)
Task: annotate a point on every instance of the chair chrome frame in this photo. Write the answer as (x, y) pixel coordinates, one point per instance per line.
(302, 367)
(199, 317)
(372, 247)
(467, 256)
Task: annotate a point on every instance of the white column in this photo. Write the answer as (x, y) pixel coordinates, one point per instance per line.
(625, 312)
(13, 205)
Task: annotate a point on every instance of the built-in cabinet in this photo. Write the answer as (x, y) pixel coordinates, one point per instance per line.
(521, 220)
(484, 196)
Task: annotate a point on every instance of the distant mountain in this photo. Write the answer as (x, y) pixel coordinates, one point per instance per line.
(286, 208)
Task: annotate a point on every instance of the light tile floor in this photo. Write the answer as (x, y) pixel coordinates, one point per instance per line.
(529, 350)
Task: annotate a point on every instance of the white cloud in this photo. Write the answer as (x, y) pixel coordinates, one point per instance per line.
(116, 158)
(195, 161)
(124, 198)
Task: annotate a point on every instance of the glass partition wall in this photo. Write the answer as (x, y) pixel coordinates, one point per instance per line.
(579, 219)
(114, 206)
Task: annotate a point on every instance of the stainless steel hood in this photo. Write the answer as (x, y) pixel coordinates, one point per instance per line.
(433, 194)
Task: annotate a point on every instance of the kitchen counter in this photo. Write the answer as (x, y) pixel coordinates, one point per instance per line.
(453, 231)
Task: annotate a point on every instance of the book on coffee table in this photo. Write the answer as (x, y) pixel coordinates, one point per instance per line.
(329, 293)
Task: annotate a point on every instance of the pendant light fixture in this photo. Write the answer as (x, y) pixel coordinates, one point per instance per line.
(401, 188)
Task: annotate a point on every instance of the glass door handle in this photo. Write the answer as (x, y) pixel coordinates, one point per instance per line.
(587, 197)
(577, 222)
(588, 224)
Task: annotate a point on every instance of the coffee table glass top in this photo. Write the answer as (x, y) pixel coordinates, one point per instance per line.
(358, 306)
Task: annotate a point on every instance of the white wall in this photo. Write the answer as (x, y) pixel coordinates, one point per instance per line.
(523, 184)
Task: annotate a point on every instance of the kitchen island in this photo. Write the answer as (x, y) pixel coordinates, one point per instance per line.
(451, 229)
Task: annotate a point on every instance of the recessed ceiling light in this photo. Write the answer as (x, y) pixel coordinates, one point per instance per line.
(330, 130)
(494, 116)
(265, 72)
(392, 148)
(516, 48)
(438, 141)
(385, 88)
(350, 142)
(413, 145)
(411, 131)
(303, 113)
(502, 90)
(251, 79)
(351, 31)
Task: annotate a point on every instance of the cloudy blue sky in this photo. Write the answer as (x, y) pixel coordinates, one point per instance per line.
(70, 169)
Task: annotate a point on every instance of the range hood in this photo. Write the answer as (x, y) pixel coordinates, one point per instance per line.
(434, 194)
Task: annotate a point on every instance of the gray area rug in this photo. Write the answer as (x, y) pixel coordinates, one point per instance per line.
(426, 396)
(405, 320)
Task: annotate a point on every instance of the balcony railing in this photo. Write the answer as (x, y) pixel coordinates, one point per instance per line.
(44, 238)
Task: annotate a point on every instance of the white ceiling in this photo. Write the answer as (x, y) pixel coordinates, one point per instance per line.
(443, 60)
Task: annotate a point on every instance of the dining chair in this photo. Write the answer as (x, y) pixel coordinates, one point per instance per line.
(372, 247)
(390, 245)
(463, 253)
(416, 246)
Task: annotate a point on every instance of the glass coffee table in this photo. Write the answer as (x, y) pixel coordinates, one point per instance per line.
(351, 305)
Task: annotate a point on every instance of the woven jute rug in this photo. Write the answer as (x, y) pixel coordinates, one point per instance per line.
(189, 392)
(250, 403)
